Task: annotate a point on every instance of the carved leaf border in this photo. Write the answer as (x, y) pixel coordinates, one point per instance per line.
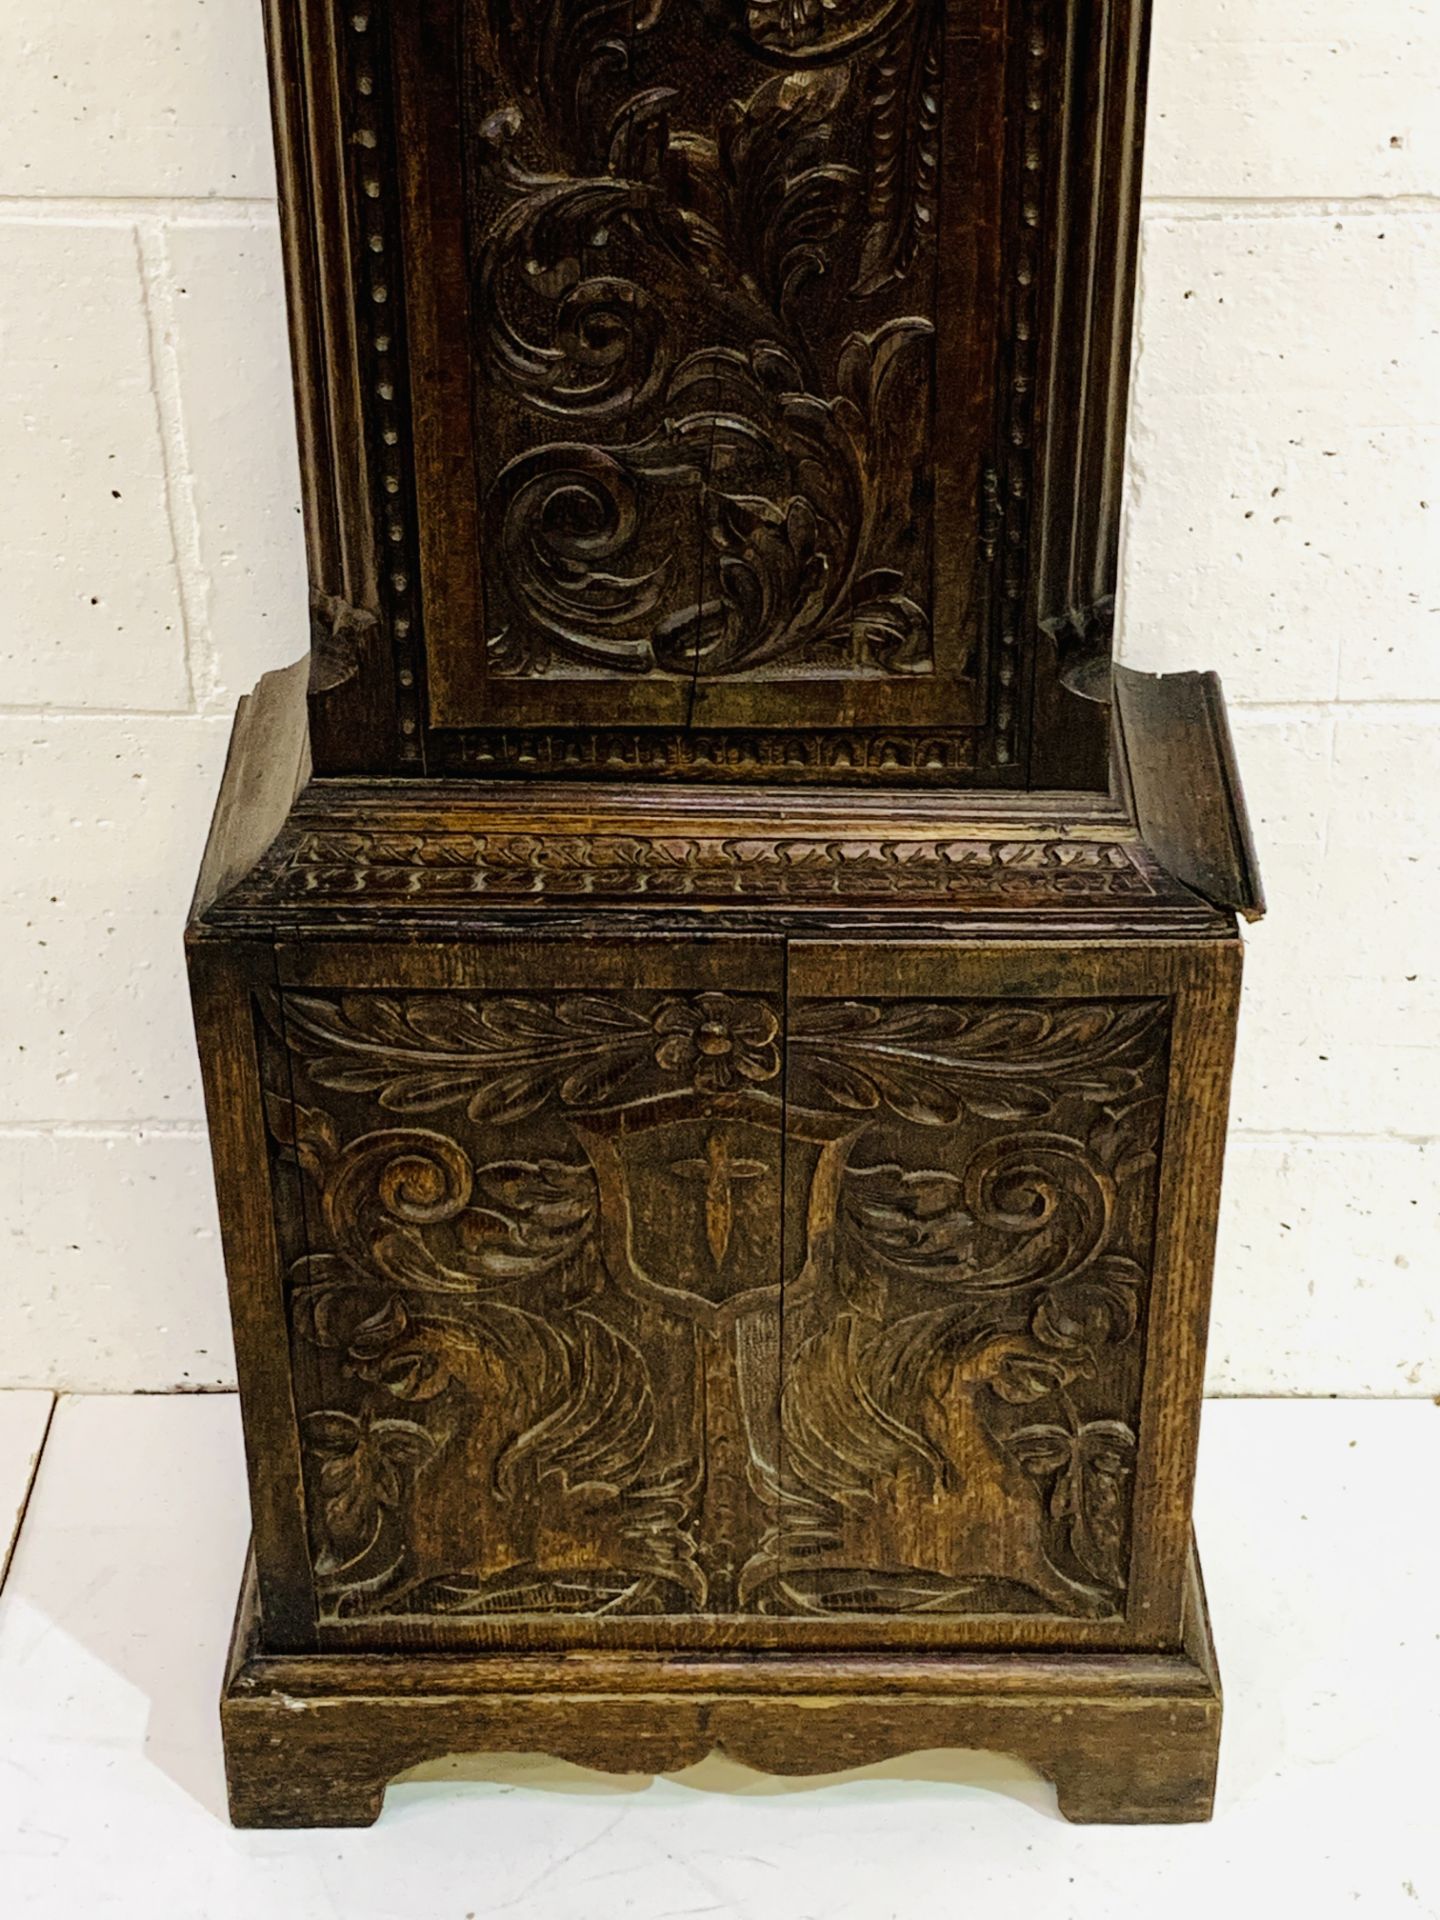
(505, 1056)
(933, 1062)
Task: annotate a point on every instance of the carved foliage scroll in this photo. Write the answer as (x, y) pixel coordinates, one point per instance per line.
(531, 1225)
(963, 1345)
(703, 264)
(538, 1313)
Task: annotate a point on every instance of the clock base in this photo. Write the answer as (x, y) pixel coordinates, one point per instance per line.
(313, 1740)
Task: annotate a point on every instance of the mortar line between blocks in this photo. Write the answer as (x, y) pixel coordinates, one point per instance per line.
(50, 1129)
(158, 294)
(123, 210)
(1425, 709)
(102, 1130)
(247, 209)
(1241, 1136)
(1288, 1396)
(1358, 206)
(1316, 1396)
(49, 713)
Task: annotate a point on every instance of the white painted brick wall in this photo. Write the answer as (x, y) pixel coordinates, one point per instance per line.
(1285, 494)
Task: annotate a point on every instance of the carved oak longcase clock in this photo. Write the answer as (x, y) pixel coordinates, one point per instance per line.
(716, 1000)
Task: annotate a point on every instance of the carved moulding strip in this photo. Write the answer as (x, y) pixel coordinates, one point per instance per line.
(1009, 487)
(334, 110)
(820, 755)
(368, 106)
(429, 847)
(520, 864)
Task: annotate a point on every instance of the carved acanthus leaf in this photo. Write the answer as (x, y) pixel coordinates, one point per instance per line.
(904, 140)
(931, 1063)
(363, 1466)
(1086, 1471)
(504, 1056)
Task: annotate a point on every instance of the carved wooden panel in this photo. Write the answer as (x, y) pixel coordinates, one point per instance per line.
(534, 1313)
(703, 263)
(971, 1188)
(629, 1304)
(729, 391)
(735, 457)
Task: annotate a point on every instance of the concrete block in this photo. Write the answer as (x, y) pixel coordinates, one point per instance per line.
(92, 611)
(1274, 99)
(114, 1278)
(158, 97)
(1325, 1281)
(1284, 479)
(94, 1011)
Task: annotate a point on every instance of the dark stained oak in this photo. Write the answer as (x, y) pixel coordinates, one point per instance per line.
(716, 1005)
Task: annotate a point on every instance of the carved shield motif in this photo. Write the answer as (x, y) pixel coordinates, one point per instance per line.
(690, 1211)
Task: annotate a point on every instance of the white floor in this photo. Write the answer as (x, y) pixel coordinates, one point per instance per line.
(1319, 1525)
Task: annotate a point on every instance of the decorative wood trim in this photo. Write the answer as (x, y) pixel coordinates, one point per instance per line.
(330, 865)
(895, 757)
(1202, 1057)
(223, 986)
(330, 85)
(1100, 115)
(265, 768)
(305, 287)
(1177, 761)
(283, 843)
(1030, 187)
(417, 854)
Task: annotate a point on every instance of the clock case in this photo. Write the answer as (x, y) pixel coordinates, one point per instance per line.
(716, 999)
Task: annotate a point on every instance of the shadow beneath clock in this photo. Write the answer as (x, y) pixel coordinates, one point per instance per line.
(991, 1773)
(118, 1608)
